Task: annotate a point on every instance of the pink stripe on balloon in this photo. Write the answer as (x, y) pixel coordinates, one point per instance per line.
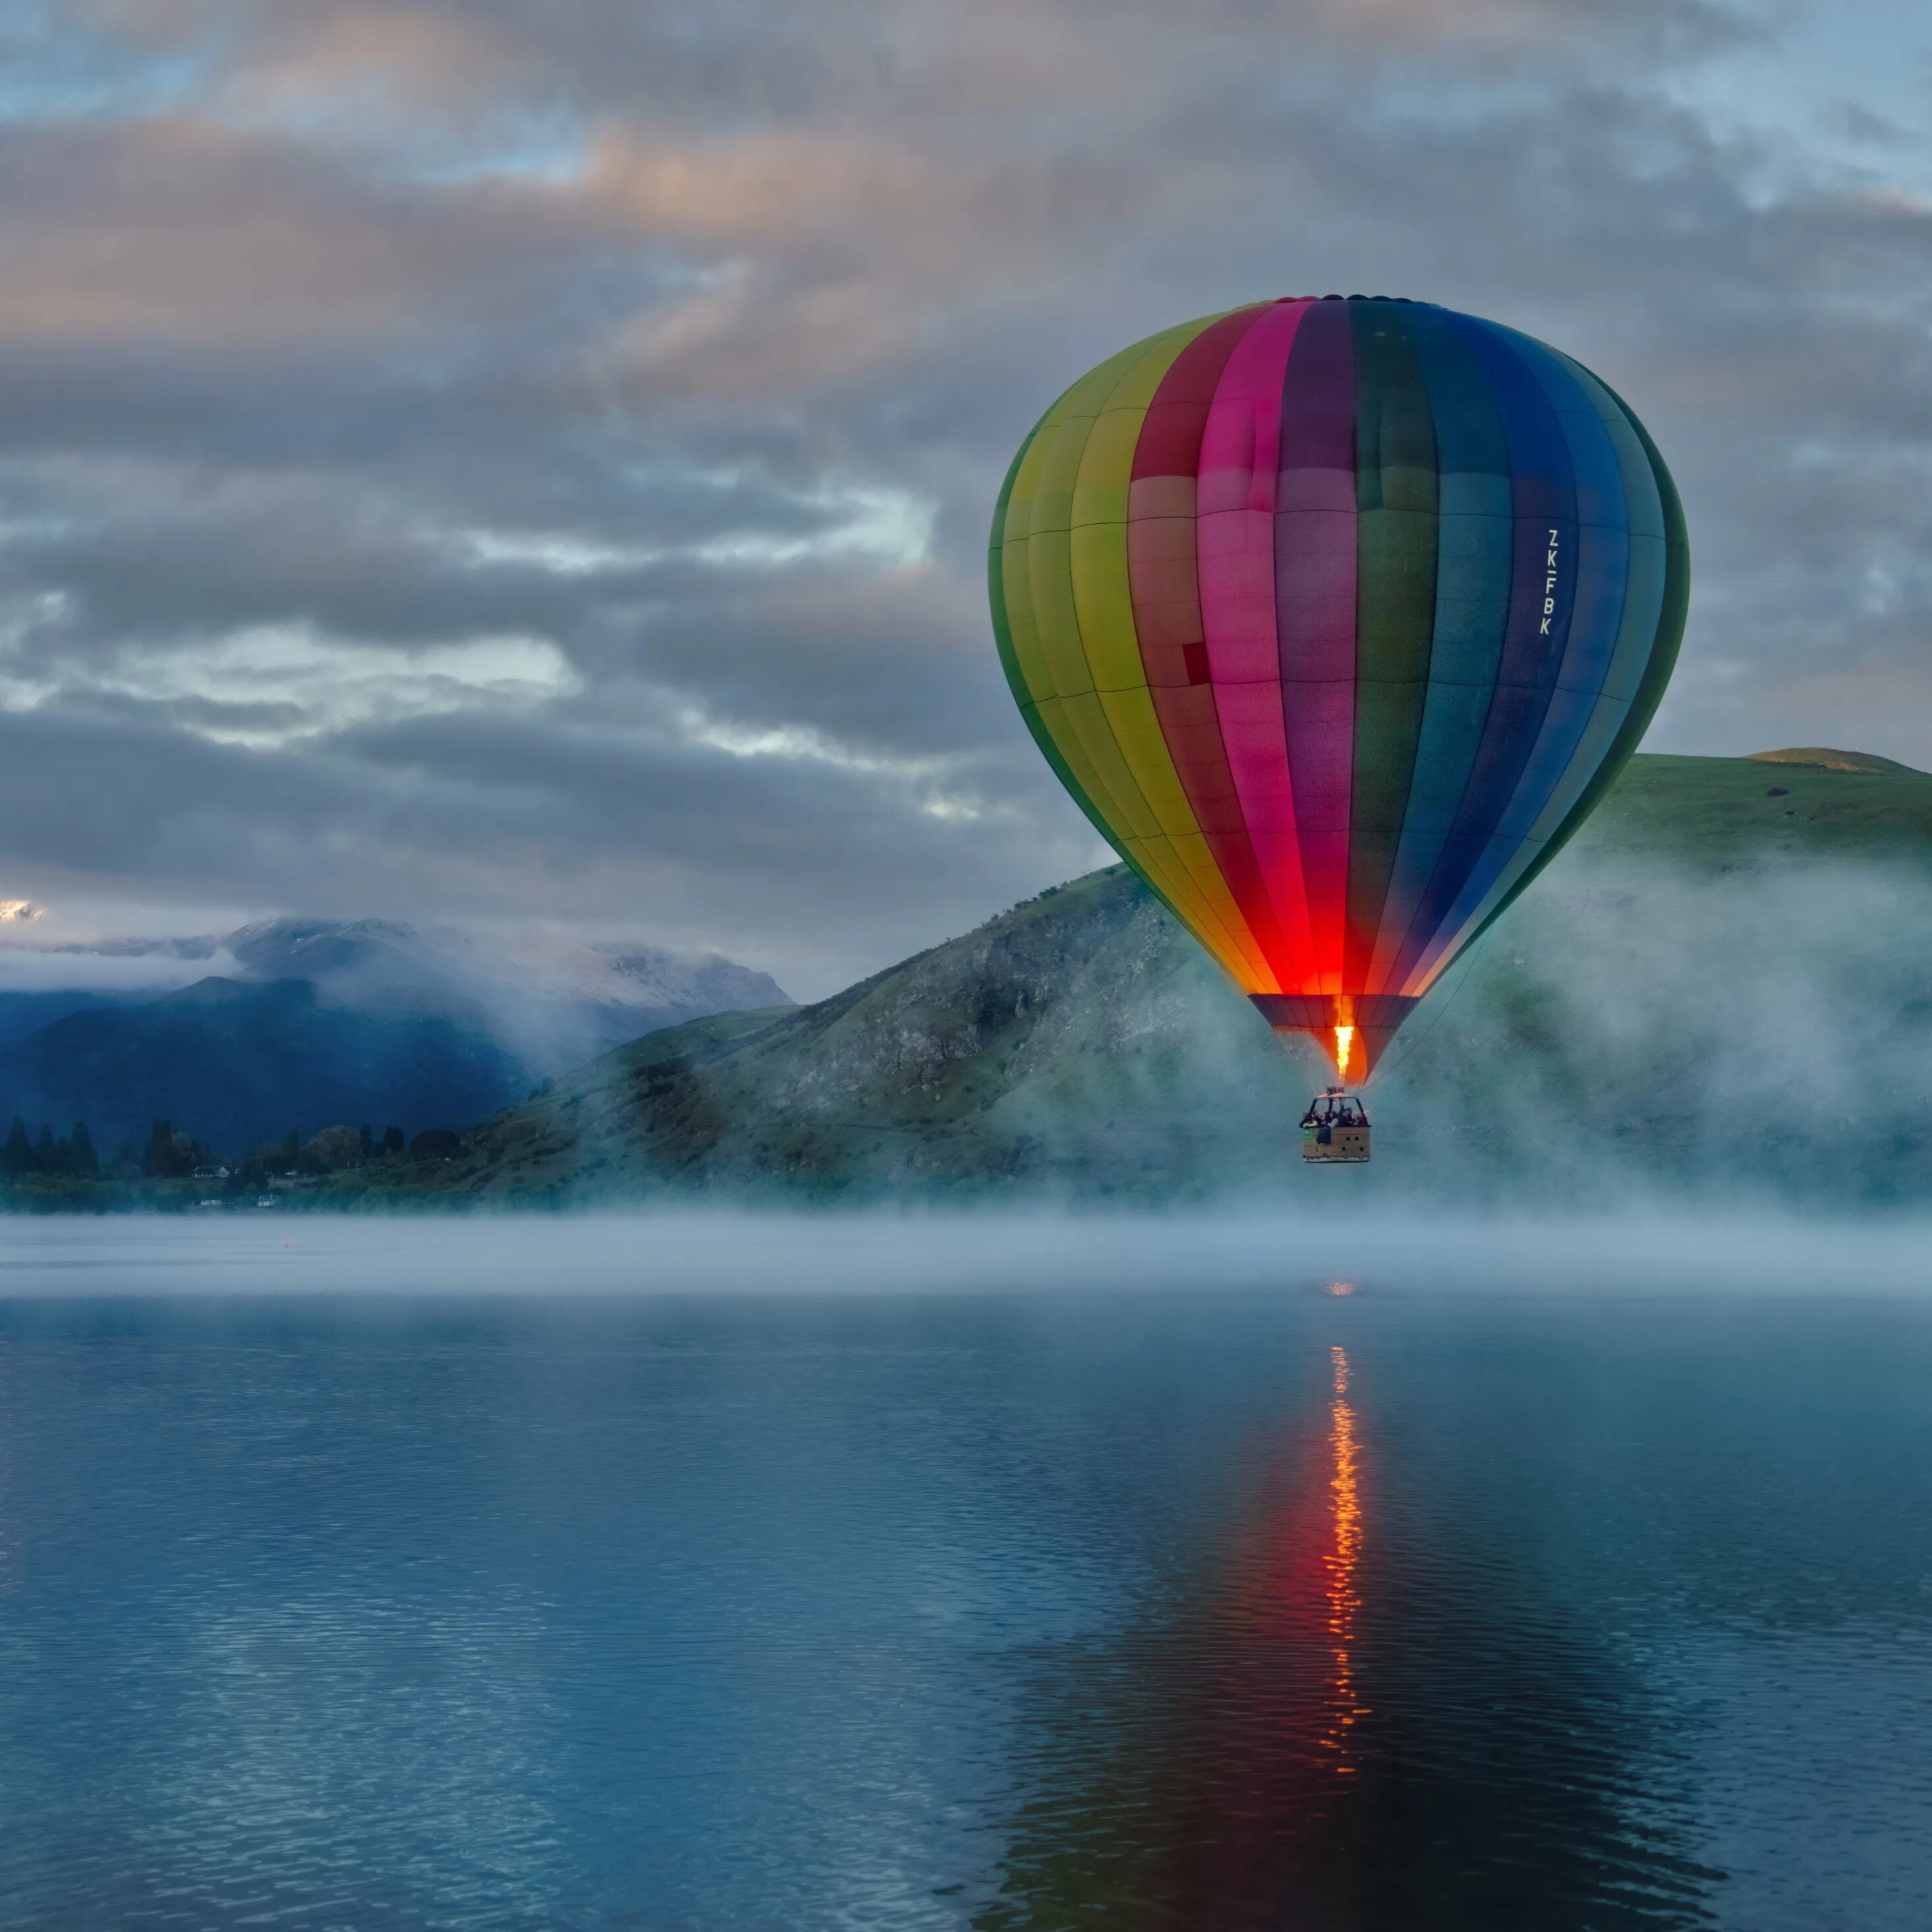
(1235, 538)
(1315, 587)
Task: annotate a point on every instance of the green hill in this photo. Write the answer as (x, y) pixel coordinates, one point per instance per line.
(1772, 806)
(1723, 981)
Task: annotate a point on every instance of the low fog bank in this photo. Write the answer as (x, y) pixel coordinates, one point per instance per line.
(1029, 1255)
(1754, 1031)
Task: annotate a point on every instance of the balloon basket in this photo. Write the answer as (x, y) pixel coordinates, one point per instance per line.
(1335, 1130)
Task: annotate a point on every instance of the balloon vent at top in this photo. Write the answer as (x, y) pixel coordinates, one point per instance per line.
(1336, 615)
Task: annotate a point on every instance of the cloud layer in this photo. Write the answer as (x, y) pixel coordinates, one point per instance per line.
(483, 460)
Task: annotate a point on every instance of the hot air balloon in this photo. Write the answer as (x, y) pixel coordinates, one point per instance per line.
(1337, 617)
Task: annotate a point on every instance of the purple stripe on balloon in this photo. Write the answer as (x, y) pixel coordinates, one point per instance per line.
(1315, 613)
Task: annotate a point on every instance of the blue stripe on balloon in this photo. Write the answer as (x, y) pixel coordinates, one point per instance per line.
(1601, 565)
(1474, 556)
(1542, 498)
(1582, 727)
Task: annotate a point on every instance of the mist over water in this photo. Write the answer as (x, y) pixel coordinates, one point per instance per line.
(551, 1261)
(808, 1571)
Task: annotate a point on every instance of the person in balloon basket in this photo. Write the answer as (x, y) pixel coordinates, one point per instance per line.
(1327, 1111)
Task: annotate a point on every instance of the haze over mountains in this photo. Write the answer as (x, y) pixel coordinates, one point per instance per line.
(300, 1024)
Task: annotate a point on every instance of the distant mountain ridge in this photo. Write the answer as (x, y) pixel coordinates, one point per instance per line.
(235, 1066)
(322, 1022)
(553, 1003)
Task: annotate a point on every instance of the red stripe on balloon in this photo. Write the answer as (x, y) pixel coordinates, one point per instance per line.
(1235, 537)
(1163, 583)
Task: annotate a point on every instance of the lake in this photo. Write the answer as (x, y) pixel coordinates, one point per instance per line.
(701, 1575)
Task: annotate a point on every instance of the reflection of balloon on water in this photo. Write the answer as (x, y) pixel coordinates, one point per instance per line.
(1337, 617)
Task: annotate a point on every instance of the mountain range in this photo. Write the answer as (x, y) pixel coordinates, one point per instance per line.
(309, 1023)
(1721, 985)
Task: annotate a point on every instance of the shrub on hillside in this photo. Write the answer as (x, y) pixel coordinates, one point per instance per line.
(336, 1147)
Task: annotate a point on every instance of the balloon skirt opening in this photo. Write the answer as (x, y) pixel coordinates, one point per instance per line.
(1374, 1018)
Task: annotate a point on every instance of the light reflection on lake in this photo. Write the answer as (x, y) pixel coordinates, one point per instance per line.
(1451, 1601)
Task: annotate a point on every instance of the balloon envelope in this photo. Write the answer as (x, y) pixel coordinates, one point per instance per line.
(1336, 617)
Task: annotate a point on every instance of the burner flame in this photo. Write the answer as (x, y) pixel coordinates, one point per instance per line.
(1345, 1045)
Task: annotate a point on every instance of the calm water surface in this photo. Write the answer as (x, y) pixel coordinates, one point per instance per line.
(1265, 1598)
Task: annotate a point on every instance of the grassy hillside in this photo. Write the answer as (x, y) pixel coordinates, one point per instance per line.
(1723, 981)
(1728, 811)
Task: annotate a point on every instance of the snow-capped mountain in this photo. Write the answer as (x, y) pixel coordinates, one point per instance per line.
(306, 1023)
(552, 1000)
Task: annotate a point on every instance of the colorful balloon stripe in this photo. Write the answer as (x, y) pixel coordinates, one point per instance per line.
(1336, 617)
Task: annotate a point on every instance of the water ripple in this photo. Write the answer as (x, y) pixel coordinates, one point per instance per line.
(1374, 1613)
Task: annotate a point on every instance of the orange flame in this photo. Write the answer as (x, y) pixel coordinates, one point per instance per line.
(1345, 1045)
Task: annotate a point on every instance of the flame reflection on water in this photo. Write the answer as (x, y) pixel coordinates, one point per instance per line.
(1341, 1562)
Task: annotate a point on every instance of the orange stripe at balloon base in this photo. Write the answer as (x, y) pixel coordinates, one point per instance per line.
(1374, 1018)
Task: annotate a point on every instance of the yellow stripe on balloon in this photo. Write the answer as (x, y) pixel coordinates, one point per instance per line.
(1036, 574)
(1054, 660)
(1103, 608)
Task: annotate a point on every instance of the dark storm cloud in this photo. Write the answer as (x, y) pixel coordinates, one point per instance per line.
(617, 829)
(487, 456)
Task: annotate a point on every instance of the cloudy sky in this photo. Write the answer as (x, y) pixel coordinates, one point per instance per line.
(530, 459)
